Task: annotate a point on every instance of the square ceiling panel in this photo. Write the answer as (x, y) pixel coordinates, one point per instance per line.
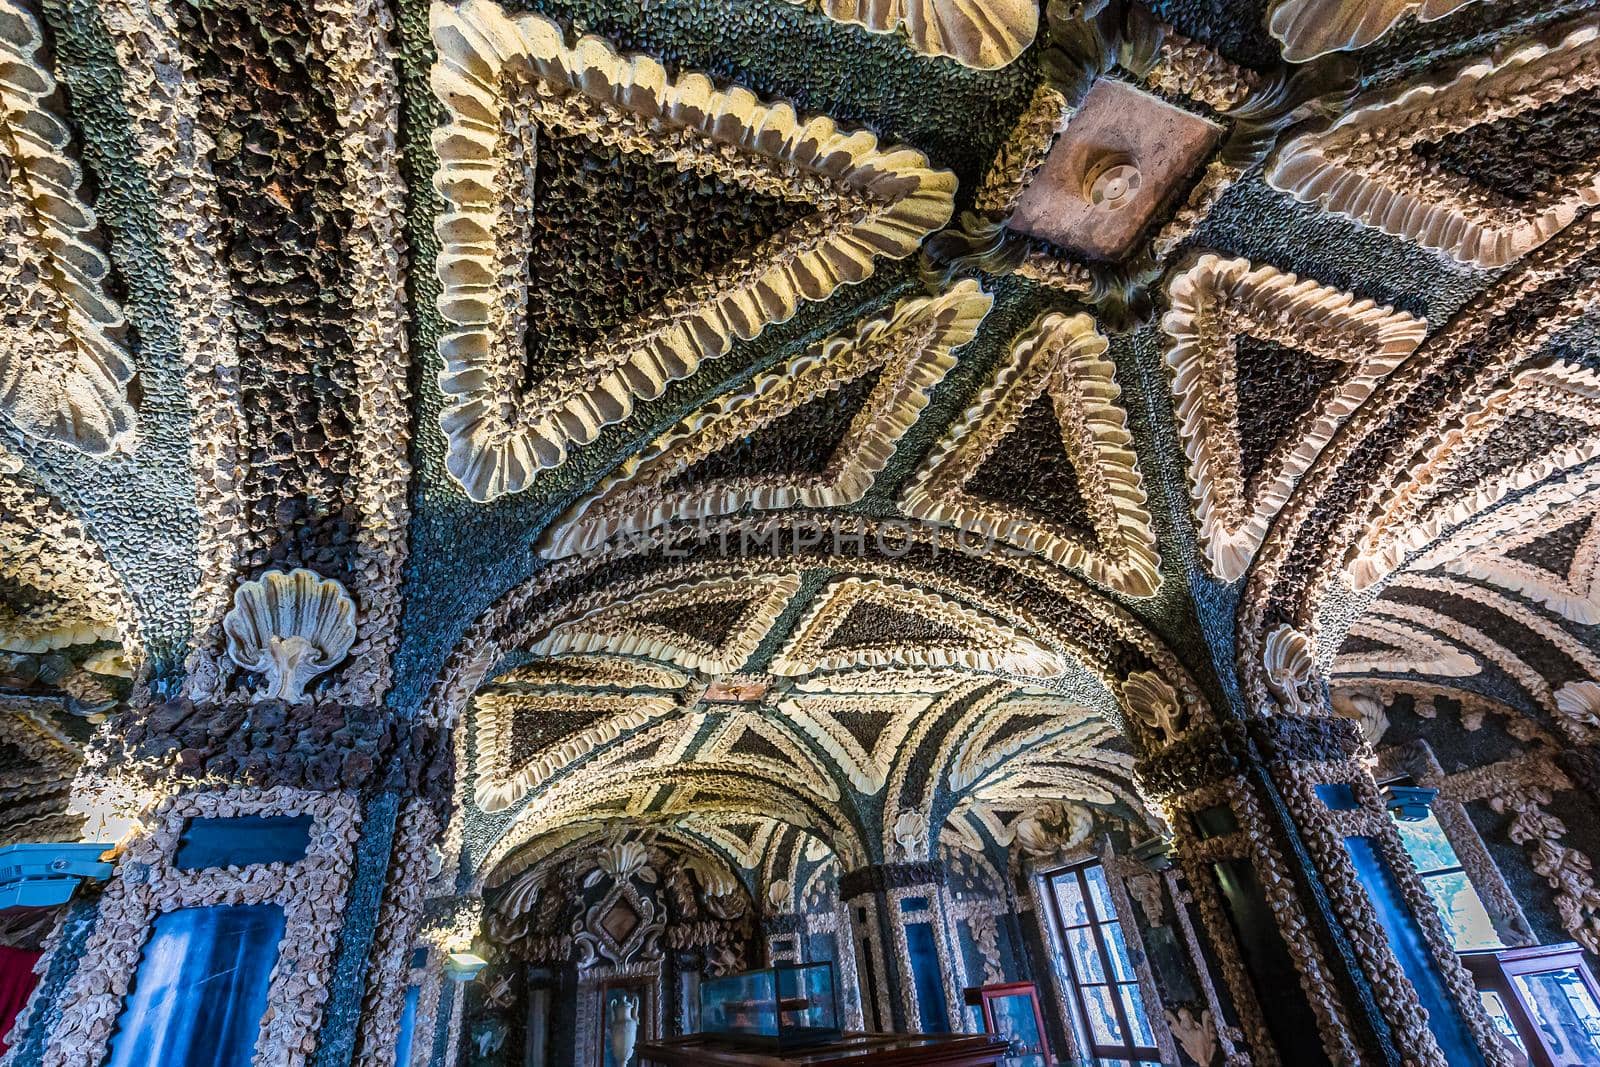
(1120, 160)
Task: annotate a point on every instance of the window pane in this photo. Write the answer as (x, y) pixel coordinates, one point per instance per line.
(1429, 847)
(1102, 1014)
(1070, 898)
(1133, 1004)
(1464, 917)
(1563, 1010)
(1085, 955)
(1121, 965)
(1099, 893)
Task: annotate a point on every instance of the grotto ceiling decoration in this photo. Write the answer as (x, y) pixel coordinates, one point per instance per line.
(799, 428)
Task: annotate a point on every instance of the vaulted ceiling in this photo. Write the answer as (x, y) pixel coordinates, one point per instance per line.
(766, 417)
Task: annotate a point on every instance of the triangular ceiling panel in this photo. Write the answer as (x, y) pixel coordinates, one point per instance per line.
(1043, 459)
(861, 731)
(819, 204)
(525, 740)
(1445, 161)
(813, 432)
(1007, 728)
(710, 626)
(864, 622)
(746, 840)
(1543, 423)
(746, 740)
(1554, 561)
(1382, 645)
(1265, 368)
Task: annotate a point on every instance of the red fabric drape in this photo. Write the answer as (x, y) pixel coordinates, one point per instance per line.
(16, 983)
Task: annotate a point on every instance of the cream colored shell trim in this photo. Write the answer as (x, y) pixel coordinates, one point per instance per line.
(1574, 595)
(1578, 655)
(616, 627)
(1413, 515)
(748, 854)
(1531, 681)
(354, 41)
(581, 671)
(501, 77)
(914, 342)
(1363, 165)
(1409, 651)
(63, 371)
(704, 791)
(988, 644)
(819, 717)
(978, 754)
(1312, 28)
(1212, 303)
(986, 34)
(500, 784)
(1066, 355)
(802, 767)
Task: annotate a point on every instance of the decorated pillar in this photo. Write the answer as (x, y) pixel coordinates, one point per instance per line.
(897, 915)
(253, 828)
(1303, 884)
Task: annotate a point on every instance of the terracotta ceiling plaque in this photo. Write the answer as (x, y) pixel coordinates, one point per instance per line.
(1120, 159)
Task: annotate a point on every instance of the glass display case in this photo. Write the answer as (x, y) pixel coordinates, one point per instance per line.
(790, 1005)
(1543, 1000)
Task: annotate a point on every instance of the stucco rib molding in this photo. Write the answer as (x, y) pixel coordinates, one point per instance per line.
(1213, 303)
(63, 371)
(1312, 28)
(914, 343)
(502, 78)
(1364, 166)
(356, 42)
(164, 110)
(985, 34)
(1417, 512)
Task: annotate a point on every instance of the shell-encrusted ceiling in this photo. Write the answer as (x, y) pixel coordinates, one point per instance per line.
(872, 425)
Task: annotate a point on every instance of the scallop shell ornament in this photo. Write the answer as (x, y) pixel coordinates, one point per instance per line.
(290, 628)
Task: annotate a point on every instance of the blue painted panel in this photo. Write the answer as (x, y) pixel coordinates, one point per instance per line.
(928, 979)
(201, 989)
(408, 1026)
(241, 841)
(1339, 796)
(1405, 940)
(913, 904)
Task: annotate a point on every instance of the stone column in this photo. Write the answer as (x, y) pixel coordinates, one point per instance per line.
(897, 917)
(280, 821)
(1329, 943)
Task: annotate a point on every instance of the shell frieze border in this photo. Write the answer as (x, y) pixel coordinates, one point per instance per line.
(70, 384)
(982, 34)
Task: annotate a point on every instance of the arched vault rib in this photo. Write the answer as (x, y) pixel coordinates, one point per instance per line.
(1083, 645)
(1085, 625)
(1406, 437)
